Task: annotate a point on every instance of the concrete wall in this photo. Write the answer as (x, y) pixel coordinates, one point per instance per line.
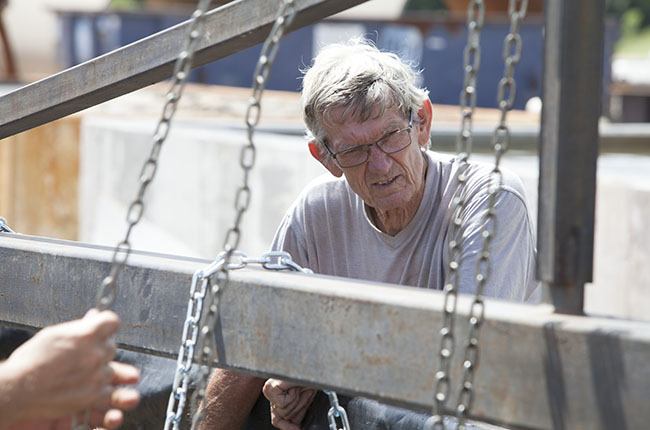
(622, 247)
(190, 205)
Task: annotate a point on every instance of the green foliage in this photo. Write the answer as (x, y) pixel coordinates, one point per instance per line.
(633, 14)
(631, 22)
(126, 4)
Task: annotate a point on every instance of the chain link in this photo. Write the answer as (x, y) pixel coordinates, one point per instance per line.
(512, 47)
(4, 227)
(472, 64)
(178, 395)
(472, 60)
(335, 412)
(108, 288)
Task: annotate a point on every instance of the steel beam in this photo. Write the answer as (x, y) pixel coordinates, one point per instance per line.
(538, 369)
(229, 29)
(573, 74)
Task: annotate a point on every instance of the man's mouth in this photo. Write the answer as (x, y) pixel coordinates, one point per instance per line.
(385, 182)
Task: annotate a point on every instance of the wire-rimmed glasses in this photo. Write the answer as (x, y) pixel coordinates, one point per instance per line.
(392, 142)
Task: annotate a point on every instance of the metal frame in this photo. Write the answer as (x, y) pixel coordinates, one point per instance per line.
(229, 29)
(541, 369)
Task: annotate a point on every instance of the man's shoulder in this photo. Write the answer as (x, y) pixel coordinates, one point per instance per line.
(325, 193)
(324, 183)
(323, 188)
(480, 176)
(323, 201)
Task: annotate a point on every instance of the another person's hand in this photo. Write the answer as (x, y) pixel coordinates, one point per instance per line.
(67, 369)
(289, 403)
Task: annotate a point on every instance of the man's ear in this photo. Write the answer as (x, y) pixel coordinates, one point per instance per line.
(425, 118)
(320, 154)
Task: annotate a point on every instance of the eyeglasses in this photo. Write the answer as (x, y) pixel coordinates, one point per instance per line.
(391, 143)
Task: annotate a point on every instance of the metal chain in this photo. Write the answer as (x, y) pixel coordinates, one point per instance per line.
(108, 289)
(203, 286)
(512, 48)
(336, 411)
(242, 198)
(472, 64)
(472, 60)
(178, 395)
(247, 155)
(4, 227)
(207, 347)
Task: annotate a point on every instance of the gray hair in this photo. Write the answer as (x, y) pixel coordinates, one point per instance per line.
(360, 78)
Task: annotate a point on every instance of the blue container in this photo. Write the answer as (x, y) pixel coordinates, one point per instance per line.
(435, 46)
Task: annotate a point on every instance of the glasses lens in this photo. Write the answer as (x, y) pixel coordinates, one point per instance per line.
(352, 157)
(396, 141)
(390, 144)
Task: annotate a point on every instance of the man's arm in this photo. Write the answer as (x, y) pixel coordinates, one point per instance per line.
(229, 399)
(511, 273)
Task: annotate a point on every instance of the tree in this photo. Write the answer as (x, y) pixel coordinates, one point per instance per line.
(633, 14)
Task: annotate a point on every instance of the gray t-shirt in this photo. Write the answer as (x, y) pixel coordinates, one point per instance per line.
(328, 229)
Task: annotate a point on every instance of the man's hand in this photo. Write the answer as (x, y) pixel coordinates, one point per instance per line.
(66, 369)
(289, 403)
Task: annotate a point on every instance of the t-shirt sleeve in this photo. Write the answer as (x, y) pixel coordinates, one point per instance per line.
(511, 268)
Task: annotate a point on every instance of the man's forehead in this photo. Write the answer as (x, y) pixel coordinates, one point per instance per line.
(339, 126)
(344, 114)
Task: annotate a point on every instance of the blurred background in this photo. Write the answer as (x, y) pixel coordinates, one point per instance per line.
(74, 178)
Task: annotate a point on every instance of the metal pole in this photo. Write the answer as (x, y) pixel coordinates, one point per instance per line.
(230, 28)
(573, 61)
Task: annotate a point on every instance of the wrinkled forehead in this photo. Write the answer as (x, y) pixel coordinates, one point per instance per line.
(341, 123)
(341, 114)
(338, 116)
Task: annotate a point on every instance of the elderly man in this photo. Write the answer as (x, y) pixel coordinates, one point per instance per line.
(385, 215)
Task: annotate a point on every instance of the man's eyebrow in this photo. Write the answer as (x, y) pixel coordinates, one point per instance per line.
(390, 128)
(395, 124)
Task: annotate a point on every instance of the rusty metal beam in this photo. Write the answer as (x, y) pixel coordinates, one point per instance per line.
(538, 369)
(229, 29)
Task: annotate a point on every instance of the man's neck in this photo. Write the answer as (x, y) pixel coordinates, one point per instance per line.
(393, 221)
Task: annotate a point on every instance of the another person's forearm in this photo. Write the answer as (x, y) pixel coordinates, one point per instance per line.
(229, 399)
(10, 396)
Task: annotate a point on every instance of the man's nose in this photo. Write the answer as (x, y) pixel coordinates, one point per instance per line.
(378, 160)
